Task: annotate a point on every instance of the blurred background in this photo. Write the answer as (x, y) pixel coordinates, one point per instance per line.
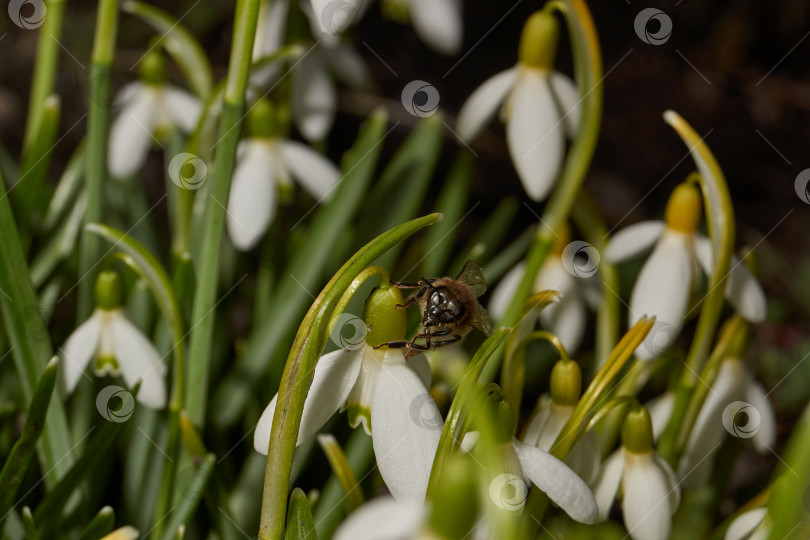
(739, 72)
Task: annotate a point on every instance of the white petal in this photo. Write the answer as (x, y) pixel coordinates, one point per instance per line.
(745, 524)
(765, 437)
(633, 240)
(383, 519)
(312, 170)
(566, 320)
(483, 103)
(558, 481)
(183, 108)
(420, 365)
(469, 441)
(332, 18)
(439, 24)
(361, 398)
(534, 133)
(646, 502)
(660, 409)
(131, 134)
(742, 289)
(537, 422)
(349, 66)
(558, 416)
(585, 457)
(314, 99)
(270, 30)
(406, 426)
(252, 201)
(673, 484)
(78, 350)
(334, 377)
(567, 95)
(662, 290)
(607, 485)
(139, 361)
(504, 291)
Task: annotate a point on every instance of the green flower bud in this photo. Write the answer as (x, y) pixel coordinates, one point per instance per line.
(386, 321)
(262, 121)
(455, 499)
(152, 69)
(566, 382)
(538, 42)
(108, 290)
(637, 432)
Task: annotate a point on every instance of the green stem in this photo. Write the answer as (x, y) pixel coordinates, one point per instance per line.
(98, 131)
(203, 311)
(588, 67)
(299, 370)
(47, 59)
(720, 222)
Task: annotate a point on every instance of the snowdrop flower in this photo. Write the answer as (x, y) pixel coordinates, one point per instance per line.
(751, 525)
(388, 395)
(437, 22)
(565, 319)
(314, 94)
(150, 108)
(540, 107)
(734, 397)
(117, 346)
(664, 285)
(650, 489)
(384, 518)
(265, 164)
(528, 463)
(551, 414)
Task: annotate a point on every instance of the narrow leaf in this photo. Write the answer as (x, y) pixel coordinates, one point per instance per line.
(101, 525)
(300, 525)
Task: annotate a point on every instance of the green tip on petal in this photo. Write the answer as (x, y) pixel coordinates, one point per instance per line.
(152, 69)
(108, 290)
(566, 382)
(386, 321)
(538, 42)
(637, 432)
(262, 120)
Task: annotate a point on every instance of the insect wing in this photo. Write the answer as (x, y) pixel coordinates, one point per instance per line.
(481, 322)
(472, 275)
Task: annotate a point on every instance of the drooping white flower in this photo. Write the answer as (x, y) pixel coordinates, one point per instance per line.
(384, 393)
(150, 108)
(665, 283)
(117, 347)
(437, 22)
(549, 474)
(734, 397)
(539, 106)
(566, 319)
(314, 94)
(263, 165)
(546, 424)
(650, 490)
(751, 525)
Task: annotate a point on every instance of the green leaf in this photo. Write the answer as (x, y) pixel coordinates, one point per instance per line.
(788, 506)
(304, 273)
(61, 245)
(489, 236)
(29, 524)
(400, 191)
(440, 239)
(192, 493)
(340, 466)
(68, 187)
(300, 525)
(101, 525)
(31, 191)
(17, 462)
(31, 349)
(179, 43)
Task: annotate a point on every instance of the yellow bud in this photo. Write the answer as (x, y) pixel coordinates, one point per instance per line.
(566, 382)
(637, 432)
(538, 42)
(684, 209)
(385, 321)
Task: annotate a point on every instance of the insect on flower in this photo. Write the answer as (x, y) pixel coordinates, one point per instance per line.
(450, 309)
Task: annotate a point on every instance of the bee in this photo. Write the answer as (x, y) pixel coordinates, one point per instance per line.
(450, 309)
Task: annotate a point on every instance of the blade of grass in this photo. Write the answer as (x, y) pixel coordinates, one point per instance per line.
(300, 525)
(101, 524)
